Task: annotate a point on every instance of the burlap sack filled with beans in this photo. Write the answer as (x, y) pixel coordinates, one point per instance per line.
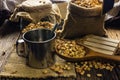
(83, 18)
(36, 10)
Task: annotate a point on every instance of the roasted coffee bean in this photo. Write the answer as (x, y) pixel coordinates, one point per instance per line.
(69, 48)
(31, 26)
(87, 3)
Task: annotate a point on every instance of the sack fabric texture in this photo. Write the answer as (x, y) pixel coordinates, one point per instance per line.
(81, 21)
(35, 10)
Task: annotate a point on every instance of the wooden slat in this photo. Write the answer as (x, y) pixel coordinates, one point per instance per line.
(103, 38)
(108, 43)
(6, 47)
(101, 50)
(100, 46)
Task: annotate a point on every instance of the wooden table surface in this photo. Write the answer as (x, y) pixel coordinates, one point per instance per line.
(9, 40)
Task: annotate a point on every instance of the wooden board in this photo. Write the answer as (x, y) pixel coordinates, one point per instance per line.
(101, 44)
(6, 46)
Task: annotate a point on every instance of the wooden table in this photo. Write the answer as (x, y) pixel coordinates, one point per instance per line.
(7, 44)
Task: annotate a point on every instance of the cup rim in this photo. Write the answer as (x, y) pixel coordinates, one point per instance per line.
(38, 41)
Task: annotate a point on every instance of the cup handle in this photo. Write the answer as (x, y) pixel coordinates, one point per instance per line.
(20, 48)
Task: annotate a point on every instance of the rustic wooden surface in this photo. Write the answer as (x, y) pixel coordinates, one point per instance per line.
(6, 47)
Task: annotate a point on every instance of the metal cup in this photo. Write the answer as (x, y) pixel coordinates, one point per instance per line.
(39, 47)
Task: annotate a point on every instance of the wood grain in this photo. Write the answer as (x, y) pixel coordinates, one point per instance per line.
(6, 47)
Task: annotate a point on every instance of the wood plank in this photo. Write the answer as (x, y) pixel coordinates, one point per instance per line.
(6, 46)
(100, 46)
(103, 38)
(105, 42)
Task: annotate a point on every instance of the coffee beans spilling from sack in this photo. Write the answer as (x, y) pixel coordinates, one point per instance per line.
(69, 48)
(87, 3)
(31, 26)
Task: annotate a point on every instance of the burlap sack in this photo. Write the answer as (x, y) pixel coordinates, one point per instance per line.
(82, 21)
(35, 10)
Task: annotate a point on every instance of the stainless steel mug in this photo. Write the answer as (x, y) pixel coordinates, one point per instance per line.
(39, 47)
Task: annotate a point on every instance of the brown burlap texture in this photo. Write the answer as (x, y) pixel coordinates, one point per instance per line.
(16, 68)
(82, 21)
(42, 10)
